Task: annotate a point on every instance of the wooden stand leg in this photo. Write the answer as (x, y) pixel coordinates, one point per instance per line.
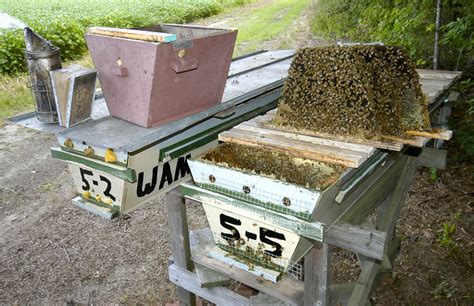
(317, 269)
(179, 236)
(389, 211)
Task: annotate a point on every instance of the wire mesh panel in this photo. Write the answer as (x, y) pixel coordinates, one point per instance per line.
(278, 196)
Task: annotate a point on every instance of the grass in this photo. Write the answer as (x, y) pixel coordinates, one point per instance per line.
(268, 22)
(15, 96)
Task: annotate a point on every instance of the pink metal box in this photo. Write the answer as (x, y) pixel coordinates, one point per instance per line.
(151, 83)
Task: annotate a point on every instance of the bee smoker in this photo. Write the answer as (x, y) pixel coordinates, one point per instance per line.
(42, 57)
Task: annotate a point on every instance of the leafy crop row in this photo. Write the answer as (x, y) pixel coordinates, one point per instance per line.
(63, 22)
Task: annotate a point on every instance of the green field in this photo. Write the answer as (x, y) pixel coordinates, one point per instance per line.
(63, 22)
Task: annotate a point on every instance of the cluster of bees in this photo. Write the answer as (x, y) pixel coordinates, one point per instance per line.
(278, 165)
(365, 90)
(250, 256)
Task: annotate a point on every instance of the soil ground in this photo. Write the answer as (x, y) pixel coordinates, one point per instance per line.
(53, 252)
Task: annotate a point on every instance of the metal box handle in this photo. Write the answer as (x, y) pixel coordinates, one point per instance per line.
(183, 64)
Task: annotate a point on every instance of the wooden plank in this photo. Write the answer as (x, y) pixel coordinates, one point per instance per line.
(251, 125)
(388, 145)
(443, 135)
(298, 148)
(317, 270)
(415, 141)
(441, 79)
(447, 75)
(179, 240)
(368, 242)
(209, 278)
(262, 299)
(133, 34)
(433, 158)
(217, 295)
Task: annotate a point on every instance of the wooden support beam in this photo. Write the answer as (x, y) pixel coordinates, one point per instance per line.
(179, 238)
(368, 242)
(386, 267)
(372, 193)
(317, 271)
(365, 282)
(217, 295)
(433, 158)
(388, 213)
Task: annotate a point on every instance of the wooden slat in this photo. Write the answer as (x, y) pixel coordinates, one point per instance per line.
(133, 34)
(435, 82)
(415, 141)
(443, 135)
(252, 126)
(217, 295)
(298, 148)
(262, 299)
(389, 145)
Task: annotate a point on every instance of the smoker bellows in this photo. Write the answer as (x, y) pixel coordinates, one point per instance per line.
(365, 91)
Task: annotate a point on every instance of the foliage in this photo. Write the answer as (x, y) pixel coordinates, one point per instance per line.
(63, 22)
(457, 247)
(445, 290)
(462, 118)
(410, 24)
(434, 174)
(445, 236)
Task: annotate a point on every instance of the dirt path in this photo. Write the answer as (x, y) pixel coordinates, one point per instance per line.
(53, 252)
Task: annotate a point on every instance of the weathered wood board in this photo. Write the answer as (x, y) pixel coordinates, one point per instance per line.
(350, 155)
(413, 138)
(133, 34)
